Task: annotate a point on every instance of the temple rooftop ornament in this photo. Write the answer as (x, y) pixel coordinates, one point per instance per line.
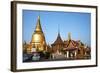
(69, 36)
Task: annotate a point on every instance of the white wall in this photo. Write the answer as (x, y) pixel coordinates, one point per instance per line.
(5, 37)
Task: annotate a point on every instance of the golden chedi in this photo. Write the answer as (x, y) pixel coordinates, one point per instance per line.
(38, 38)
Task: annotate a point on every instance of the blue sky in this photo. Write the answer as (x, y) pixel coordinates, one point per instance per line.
(78, 24)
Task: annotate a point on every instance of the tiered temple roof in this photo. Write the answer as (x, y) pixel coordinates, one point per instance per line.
(58, 40)
(70, 45)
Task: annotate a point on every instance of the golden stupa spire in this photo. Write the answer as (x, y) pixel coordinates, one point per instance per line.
(38, 25)
(69, 36)
(38, 38)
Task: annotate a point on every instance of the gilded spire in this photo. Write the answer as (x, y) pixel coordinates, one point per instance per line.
(38, 25)
(69, 36)
(38, 38)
